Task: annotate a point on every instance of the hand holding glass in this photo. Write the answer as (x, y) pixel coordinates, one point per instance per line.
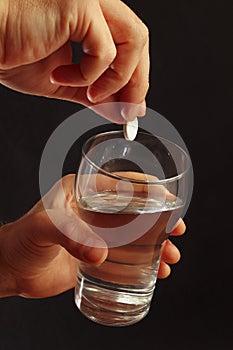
(131, 193)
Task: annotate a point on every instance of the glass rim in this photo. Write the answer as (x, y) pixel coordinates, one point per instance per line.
(127, 179)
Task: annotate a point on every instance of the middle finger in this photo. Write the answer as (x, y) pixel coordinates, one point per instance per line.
(170, 253)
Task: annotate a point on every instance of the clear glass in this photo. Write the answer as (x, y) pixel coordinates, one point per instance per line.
(131, 193)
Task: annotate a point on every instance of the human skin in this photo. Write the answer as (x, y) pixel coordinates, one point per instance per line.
(38, 260)
(36, 57)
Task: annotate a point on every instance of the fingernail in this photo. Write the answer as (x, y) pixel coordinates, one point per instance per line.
(52, 80)
(94, 96)
(130, 112)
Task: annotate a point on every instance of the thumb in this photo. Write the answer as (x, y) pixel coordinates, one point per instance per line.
(56, 227)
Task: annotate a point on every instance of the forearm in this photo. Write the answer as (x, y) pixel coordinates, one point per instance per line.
(7, 279)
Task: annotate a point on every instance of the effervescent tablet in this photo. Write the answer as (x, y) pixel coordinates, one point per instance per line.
(131, 129)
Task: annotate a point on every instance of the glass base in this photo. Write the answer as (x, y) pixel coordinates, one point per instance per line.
(111, 304)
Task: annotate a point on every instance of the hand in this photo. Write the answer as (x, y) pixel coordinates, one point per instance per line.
(37, 260)
(170, 254)
(36, 57)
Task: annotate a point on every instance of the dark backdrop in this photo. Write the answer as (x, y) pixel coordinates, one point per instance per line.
(191, 85)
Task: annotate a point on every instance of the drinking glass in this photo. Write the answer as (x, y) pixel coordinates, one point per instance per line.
(131, 193)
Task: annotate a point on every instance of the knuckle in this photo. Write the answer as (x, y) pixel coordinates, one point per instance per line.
(144, 35)
(141, 32)
(135, 82)
(107, 56)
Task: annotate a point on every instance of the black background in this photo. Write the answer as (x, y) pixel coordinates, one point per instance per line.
(191, 85)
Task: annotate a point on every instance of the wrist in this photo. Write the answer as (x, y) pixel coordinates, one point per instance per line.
(7, 278)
